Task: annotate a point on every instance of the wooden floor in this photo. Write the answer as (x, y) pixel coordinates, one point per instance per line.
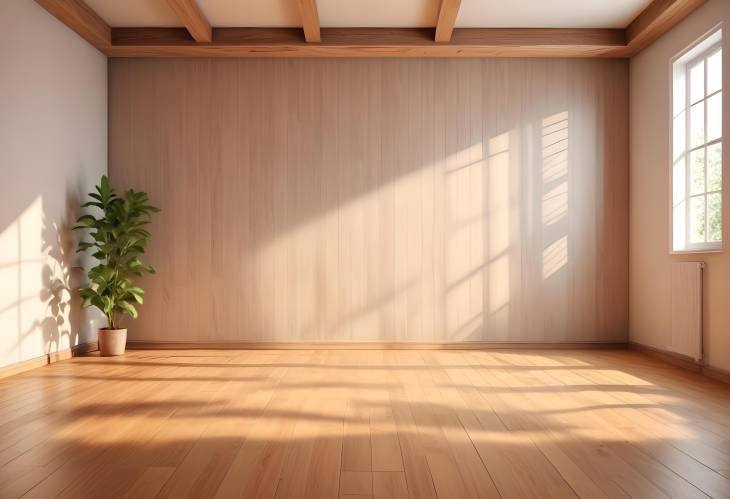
(331, 423)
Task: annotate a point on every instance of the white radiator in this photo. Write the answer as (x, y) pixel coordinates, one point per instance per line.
(687, 309)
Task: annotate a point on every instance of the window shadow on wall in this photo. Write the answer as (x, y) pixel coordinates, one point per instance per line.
(364, 200)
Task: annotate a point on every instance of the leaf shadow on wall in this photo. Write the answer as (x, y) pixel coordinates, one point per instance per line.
(40, 276)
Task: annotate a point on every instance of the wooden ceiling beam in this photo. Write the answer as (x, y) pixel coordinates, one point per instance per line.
(310, 20)
(198, 39)
(656, 19)
(368, 42)
(82, 19)
(193, 18)
(447, 19)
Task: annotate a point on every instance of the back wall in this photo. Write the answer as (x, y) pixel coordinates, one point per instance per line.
(378, 200)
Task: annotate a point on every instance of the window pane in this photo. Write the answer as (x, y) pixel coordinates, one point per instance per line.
(697, 171)
(714, 167)
(714, 117)
(697, 82)
(697, 125)
(714, 72)
(697, 220)
(714, 210)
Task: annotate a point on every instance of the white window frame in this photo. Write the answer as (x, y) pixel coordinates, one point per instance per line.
(703, 53)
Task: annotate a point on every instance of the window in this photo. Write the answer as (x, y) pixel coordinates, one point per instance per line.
(697, 147)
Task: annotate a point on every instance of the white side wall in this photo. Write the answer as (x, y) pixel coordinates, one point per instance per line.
(53, 143)
(650, 261)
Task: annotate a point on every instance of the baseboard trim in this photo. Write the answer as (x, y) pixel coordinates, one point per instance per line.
(682, 361)
(49, 358)
(676, 359)
(366, 345)
(717, 374)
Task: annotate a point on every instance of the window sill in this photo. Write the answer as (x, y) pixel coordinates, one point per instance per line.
(696, 251)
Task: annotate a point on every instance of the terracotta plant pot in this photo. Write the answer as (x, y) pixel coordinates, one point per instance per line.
(112, 341)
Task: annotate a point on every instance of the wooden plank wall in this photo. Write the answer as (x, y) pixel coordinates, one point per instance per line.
(378, 200)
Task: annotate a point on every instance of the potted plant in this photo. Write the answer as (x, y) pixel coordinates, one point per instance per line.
(119, 238)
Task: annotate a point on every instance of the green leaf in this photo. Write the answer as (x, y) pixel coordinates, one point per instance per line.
(104, 188)
(93, 203)
(84, 222)
(135, 296)
(127, 307)
(98, 302)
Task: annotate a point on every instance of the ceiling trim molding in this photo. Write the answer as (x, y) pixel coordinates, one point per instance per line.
(193, 18)
(446, 20)
(368, 42)
(82, 19)
(310, 20)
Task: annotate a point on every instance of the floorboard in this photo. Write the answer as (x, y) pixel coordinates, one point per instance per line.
(364, 423)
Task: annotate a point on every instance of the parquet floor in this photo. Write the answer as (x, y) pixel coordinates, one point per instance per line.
(364, 423)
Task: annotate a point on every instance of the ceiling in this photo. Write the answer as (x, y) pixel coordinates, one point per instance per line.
(381, 13)
(548, 13)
